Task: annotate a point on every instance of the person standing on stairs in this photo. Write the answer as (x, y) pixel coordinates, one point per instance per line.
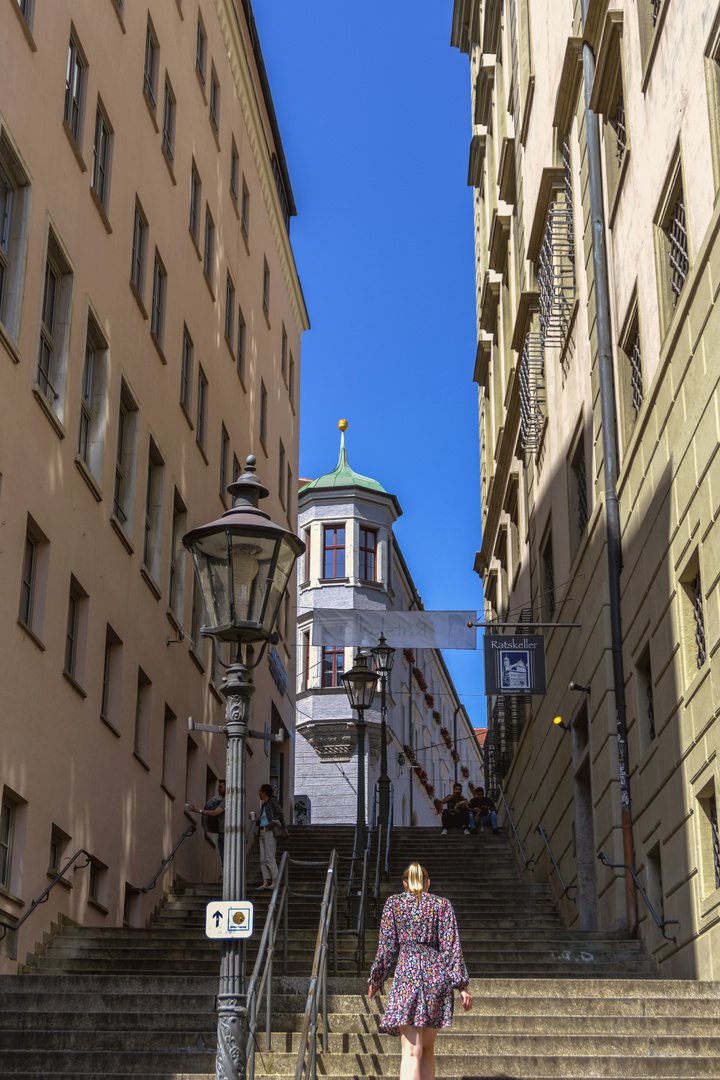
(269, 817)
(419, 929)
(214, 817)
(456, 814)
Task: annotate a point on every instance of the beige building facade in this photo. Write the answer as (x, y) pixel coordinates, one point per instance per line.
(652, 73)
(151, 317)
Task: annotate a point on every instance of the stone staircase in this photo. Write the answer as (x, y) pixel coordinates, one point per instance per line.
(549, 1002)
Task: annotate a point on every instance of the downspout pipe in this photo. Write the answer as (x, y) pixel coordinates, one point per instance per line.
(609, 420)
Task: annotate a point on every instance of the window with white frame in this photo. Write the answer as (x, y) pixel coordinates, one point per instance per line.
(224, 456)
(54, 325)
(7, 836)
(195, 195)
(102, 146)
(75, 631)
(33, 579)
(168, 131)
(75, 79)
(229, 310)
(234, 171)
(140, 230)
(245, 210)
(143, 714)
(186, 371)
(92, 399)
(201, 51)
(157, 317)
(241, 345)
(125, 459)
(202, 403)
(209, 256)
(14, 203)
(214, 99)
(152, 540)
(176, 585)
(112, 674)
(152, 66)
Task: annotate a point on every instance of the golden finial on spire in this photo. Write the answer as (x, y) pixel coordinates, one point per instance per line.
(343, 425)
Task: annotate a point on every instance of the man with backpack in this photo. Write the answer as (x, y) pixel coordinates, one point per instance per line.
(213, 817)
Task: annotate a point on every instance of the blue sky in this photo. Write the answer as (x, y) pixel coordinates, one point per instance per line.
(374, 111)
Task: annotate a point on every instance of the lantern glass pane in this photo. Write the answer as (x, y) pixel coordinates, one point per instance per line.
(286, 557)
(252, 559)
(211, 561)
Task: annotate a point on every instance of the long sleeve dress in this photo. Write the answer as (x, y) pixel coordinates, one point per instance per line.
(423, 936)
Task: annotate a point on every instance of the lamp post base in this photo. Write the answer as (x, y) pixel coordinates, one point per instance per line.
(231, 1038)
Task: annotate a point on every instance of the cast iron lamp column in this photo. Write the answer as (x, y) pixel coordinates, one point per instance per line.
(384, 658)
(243, 563)
(360, 684)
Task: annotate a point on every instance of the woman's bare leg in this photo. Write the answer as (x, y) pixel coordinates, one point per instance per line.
(411, 1039)
(427, 1061)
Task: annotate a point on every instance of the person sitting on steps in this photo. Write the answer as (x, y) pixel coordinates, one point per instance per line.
(456, 814)
(484, 811)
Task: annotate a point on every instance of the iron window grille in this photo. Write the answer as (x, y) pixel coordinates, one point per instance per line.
(580, 482)
(715, 837)
(699, 616)
(678, 254)
(618, 125)
(650, 701)
(548, 579)
(655, 6)
(532, 392)
(556, 269)
(636, 378)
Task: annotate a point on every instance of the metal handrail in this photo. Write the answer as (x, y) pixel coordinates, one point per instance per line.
(261, 978)
(528, 862)
(42, 898)
(376, 888)
(317, 990)
(565, 888)
(389, 832)
(660, 923)
(137, 889)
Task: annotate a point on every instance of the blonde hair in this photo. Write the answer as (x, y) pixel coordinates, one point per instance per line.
(417, 879)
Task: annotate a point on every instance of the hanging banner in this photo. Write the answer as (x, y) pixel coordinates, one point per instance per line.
(402, 629)
(514, 665)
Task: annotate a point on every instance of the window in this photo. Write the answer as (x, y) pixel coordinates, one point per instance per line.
(195, 192)
(214, 99)
(632, 383)
(168, 132)
(186, 371)
(201, 51)
(263, 413)
(236, 468)
(97, 883)
(672, 249)
(608, 100)
(112, 673)
(157, 317)
(547, 600)
(645, 701)
(101, 157)
(712, 78)
(75, 631)
(266, 287)
(90, 434)
(14, 203)
(209, 260)
(29, 574)
(125, 459)
(334, 551)
(280, 188)
(693, 631)
(709, 839)
(54, 325)
(176, 585)
(333, 666)
(75, 90)
(169, 746)
(651, 15)
(306, 660)
(224, 452)
(152, 540)
(229, 310)
(245, 210)
(281, 472)
(234, 170)
(152, 65)
(291, 379)
(137, 270)
(58, 843)
(143, 706)
(307, 537)
(7, 831)
(196, 616)
(27, 10)
(284, 354)
(201, 421)
(556, 261)
(241, 345)
(578, 492)
(33, 578)
(368, 554)
(288, 504)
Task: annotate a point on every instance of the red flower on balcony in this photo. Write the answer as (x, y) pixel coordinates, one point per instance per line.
(430, 788)
(409, 754)
(438, 806)
(447, 737)
(409, 656)
(420, 679)
(455, 756)
(465, 772)
(430, 701)
(436, 716)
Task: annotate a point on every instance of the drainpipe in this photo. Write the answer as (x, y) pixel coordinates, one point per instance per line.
(612, 515)
(455, 738)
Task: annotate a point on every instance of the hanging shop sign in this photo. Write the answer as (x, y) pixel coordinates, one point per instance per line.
(514, 665)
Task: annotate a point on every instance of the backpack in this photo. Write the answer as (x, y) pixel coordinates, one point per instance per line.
(211, 825)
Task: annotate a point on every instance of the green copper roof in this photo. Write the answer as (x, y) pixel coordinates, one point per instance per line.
(343, 476)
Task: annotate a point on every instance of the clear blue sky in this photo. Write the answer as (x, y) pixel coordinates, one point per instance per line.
(374, 112)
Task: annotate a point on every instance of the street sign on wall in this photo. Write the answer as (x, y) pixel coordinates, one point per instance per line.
(514, 664)
(229, 919)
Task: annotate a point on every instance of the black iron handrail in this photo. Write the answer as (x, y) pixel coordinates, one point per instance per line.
(565, 888)
(376, 887)
(528, 862)
(42, 898)
(317, 990)
(389, 832)
(261, 978)
(660, 923)
(151, 885)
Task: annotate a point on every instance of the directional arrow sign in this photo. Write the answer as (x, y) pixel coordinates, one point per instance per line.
(229, 919)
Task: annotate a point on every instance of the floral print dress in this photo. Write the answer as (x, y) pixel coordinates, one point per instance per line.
(423, 936)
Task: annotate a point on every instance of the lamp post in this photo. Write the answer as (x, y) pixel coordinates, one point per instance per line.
(384, 657)
(360, 684)
(243, 563)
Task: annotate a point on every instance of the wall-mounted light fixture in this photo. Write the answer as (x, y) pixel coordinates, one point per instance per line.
(580, 687)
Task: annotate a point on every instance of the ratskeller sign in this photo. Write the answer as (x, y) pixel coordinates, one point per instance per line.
(514, 664)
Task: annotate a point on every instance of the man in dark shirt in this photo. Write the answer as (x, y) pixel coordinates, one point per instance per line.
(456, 814)
(483, 808)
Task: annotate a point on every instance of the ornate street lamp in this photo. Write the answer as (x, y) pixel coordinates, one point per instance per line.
(360, 684)
(384, 658)
(243, 563)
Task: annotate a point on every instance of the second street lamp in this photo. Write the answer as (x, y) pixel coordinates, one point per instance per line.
(243, 563)
(384, 657)
(360, 684)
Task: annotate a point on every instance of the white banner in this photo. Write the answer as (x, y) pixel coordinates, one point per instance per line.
(334, 629)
